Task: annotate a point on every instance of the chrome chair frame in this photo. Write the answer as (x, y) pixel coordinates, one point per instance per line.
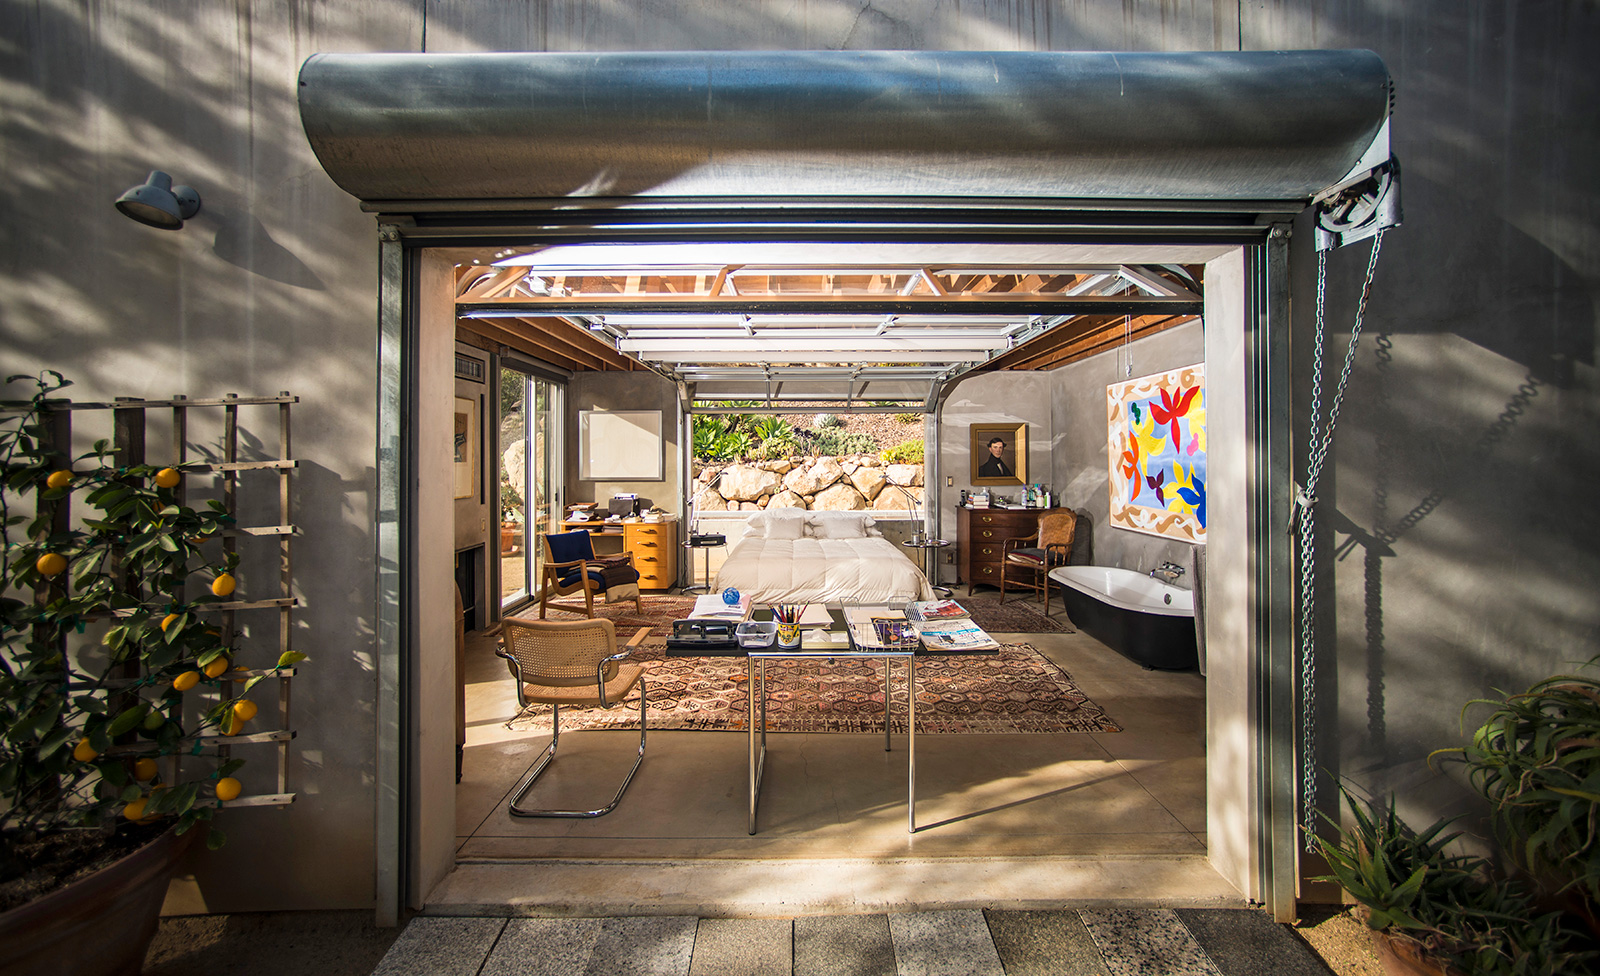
(526, 784)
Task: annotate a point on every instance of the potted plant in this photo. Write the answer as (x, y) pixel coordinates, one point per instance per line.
(1537, 760)
(114, 690)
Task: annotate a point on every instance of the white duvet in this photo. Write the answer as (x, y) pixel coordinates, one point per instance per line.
(868, 570)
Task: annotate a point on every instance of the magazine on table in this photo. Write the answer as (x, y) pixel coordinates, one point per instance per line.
(936, 610)
(879, 628)
(712, 605)
(955, 635)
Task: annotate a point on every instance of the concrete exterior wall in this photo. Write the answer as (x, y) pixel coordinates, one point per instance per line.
(1078, 468)
(1465, 460)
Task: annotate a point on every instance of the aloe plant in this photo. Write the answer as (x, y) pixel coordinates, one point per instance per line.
(1452, 905)
(1536, 759)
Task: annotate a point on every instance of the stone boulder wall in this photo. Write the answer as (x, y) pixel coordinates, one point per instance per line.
(850, 483)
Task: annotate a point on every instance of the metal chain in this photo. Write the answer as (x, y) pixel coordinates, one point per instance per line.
(1321, 441)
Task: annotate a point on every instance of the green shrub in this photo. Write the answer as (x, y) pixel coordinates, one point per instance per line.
(835, 442)
(780, 446)
(825, 421)
(905, 452)
(907, 418)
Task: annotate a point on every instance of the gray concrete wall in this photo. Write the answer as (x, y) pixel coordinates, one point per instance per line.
(1466, 451)
(1461, 483)
(270, 287)
(1079, 445)
(989, 398)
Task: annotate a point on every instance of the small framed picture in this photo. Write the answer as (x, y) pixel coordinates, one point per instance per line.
(999, 454)
(466, 448)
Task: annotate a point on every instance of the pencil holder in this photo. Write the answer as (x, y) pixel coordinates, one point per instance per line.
(789, 635)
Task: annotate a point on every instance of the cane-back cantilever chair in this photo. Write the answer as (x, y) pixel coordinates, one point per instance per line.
(570, 566)
(1028, 562)
(574, 663)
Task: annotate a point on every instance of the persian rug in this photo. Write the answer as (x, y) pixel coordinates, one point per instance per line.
(1016, 690)
(1018, 615)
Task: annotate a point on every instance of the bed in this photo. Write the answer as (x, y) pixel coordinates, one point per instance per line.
(796, 556)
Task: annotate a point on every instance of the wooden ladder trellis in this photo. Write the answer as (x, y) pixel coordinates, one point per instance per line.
(130, 426)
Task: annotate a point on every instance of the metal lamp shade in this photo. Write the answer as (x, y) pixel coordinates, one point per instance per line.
(160, 204)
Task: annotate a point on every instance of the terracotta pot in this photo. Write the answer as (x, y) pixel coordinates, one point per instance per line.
(100, 925)
(508, 538)
(1403, 957)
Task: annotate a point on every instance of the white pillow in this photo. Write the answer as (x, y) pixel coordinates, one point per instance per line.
(782, 524)
(839, 525)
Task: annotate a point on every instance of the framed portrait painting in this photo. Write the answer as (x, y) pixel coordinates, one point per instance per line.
(999, 454)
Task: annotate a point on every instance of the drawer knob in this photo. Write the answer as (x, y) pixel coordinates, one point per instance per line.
(987, 534)
(988, 570)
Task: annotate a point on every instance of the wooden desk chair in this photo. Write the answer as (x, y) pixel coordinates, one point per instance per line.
(575, 663)
(1035, 557)
(570, 566)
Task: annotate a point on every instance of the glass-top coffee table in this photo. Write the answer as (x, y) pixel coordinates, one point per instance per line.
(756, 676)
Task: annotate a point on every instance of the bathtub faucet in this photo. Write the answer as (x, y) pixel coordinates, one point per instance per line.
(1168, 571)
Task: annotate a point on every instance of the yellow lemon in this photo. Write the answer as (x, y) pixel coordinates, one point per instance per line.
(245, 709)
(135, 810)
(167, 620)
(144, 770)
(58, 479)
(229, 788)
(235, 726)
(168, 478)
(221, 586)
(84, 752)
(216, 667)
(186, 680)
(50, 564)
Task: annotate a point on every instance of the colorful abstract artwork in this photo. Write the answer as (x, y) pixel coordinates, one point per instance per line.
(1156, 432)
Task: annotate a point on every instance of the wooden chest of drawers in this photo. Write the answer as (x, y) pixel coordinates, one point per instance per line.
(981, 538)
(655, 552)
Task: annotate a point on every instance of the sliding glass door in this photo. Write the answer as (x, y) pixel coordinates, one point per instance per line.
(530, 453)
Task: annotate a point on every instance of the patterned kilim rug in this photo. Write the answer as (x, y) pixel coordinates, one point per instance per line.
(1018, 615)
(1016, 690)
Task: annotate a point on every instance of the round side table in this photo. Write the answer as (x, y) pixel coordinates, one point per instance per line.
(708, 543)
(929, 547)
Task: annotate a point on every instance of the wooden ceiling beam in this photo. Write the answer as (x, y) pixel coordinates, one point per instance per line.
(515, 340)
(576, 341)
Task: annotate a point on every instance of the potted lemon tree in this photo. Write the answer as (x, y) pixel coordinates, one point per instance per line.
(114, 693)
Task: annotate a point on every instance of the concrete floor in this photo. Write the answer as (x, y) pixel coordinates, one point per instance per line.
(1003, 820)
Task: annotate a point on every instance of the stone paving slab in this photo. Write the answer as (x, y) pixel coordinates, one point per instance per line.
(1146, 943)
(843, 945)
(743, 947)
(1249, 943)
(659, 946)
(1044, 943)
(543, 947)
(441, 947)
(952, 943)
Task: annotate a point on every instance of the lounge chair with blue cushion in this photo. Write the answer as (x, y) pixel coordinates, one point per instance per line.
(570, 566)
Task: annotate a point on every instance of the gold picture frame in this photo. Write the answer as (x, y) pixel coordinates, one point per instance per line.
(1013, 456)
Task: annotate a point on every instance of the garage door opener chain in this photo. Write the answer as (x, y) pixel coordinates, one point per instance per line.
(1303, 520)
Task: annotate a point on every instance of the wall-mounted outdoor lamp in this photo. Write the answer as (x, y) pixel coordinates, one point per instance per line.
(160, 204)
